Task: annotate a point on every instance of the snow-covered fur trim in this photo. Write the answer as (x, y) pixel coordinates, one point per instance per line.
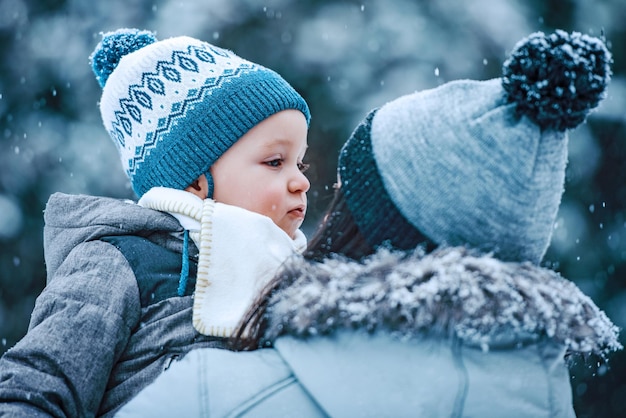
(478, 298)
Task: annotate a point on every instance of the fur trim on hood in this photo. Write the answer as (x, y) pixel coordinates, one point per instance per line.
(450, 292)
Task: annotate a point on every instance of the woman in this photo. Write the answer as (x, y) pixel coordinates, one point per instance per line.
(422, 294)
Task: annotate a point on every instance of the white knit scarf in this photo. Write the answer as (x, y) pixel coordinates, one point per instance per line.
(240, 251)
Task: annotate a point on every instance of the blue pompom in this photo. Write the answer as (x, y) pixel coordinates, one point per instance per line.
(556, 80)
(113, 47)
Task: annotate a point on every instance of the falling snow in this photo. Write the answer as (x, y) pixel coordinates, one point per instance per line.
(345, 58)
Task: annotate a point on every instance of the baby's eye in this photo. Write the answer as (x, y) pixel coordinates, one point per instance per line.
(277, 162)
(303, 167)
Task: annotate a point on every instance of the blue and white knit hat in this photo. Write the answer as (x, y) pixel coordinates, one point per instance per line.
(477, 163)
(173, 107)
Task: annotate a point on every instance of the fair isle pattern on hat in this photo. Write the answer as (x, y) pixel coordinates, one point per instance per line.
(173, 107)
(164, 79)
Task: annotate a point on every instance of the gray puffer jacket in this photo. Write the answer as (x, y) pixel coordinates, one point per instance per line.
(448, 334)
(110, 318)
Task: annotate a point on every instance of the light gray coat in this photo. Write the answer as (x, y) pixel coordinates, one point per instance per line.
(449, 334)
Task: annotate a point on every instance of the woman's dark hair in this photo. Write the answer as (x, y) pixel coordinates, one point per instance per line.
(337, 234)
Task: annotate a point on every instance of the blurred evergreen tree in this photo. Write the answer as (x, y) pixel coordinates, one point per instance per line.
(345, 57)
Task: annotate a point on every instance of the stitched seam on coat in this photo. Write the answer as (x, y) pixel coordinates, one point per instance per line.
(261, 396)
(550, 390)
(461, 395)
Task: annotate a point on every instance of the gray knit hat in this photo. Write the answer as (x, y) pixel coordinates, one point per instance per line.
(477, 163)
(173, 107)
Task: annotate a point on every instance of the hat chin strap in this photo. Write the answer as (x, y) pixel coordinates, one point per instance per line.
(211, 185)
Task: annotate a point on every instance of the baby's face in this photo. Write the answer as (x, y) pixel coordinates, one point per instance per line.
(263, 171)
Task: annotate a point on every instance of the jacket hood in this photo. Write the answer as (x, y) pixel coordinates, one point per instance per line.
(73, 219)
(449, 293)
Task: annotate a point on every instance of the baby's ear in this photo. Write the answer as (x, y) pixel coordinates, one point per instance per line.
(199, 187)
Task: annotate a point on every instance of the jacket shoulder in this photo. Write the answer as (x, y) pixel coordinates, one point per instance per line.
(353, 373)
(253, 383)
(156, 268)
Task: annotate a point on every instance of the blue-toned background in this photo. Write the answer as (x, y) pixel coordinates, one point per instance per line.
(345, 57)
